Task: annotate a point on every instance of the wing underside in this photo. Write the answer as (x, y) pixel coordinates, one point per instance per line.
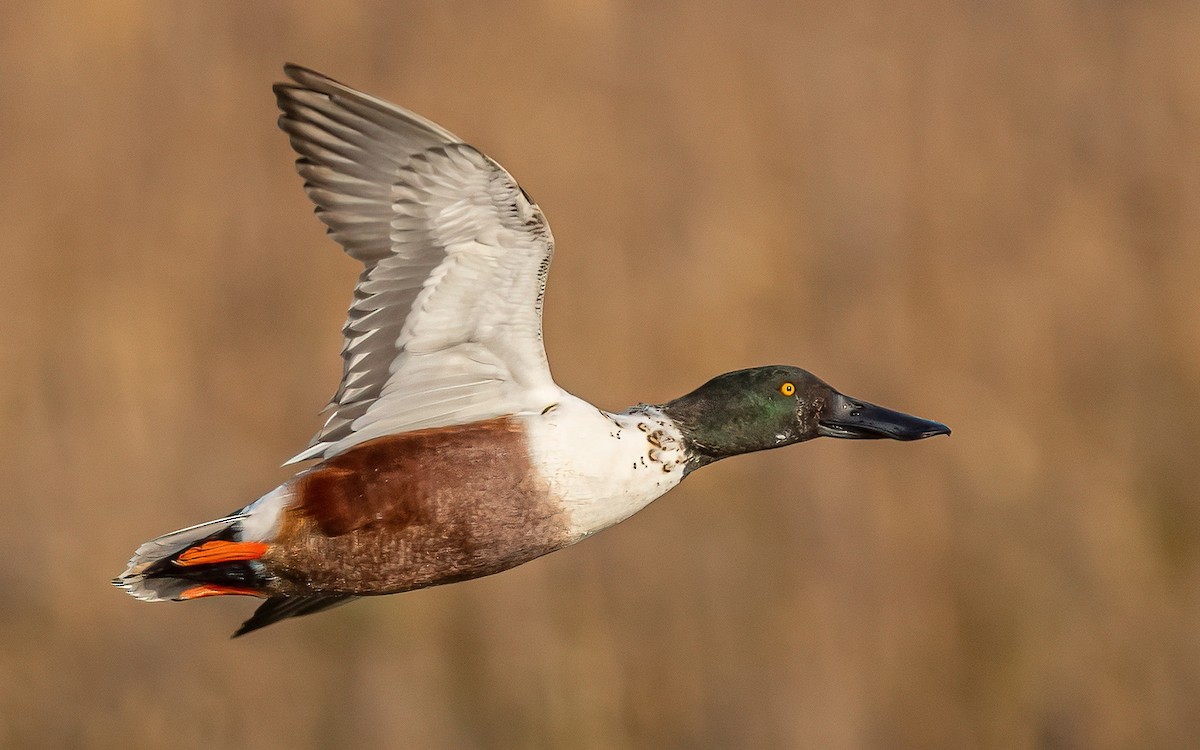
(445, 325)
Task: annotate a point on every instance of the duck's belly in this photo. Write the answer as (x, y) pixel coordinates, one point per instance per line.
(413, 510)
(602, 468)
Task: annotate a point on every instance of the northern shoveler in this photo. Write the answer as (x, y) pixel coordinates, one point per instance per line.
(450, 452)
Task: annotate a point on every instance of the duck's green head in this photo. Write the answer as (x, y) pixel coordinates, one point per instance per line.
(768, 407)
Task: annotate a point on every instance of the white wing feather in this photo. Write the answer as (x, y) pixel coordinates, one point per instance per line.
(445, 327)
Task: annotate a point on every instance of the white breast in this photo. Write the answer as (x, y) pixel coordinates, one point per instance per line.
(604, 467)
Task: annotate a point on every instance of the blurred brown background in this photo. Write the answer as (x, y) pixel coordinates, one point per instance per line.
(984, 213)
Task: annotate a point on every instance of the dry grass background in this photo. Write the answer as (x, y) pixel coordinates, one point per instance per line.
(984, 213)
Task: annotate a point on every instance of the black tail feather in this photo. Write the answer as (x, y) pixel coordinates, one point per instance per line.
(168, 573)
(282, 607)
(154, 574)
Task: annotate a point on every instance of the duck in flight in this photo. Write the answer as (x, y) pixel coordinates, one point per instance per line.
(449, 452)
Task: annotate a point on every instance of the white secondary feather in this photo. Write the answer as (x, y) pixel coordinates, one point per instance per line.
(445, 327)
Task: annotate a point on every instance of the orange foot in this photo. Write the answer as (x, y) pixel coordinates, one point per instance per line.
(213, 589)
(218, 551)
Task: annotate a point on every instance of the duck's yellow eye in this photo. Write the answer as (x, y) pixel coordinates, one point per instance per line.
(787, 389)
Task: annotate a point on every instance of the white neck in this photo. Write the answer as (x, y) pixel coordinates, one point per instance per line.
(602, 468)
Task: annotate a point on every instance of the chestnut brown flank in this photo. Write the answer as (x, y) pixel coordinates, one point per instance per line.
(416, 509)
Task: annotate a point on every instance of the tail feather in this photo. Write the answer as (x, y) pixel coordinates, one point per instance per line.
(168, 544)
(220, 558)
(155, 572)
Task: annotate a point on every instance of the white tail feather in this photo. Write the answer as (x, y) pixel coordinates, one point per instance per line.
(164, 546)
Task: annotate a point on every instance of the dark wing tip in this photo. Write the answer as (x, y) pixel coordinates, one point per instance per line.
(282, 607)
(306, 76)
(286, 98)
(361, 104)
(307, 79)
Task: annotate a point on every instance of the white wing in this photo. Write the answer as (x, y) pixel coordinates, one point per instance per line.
(446, 323)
